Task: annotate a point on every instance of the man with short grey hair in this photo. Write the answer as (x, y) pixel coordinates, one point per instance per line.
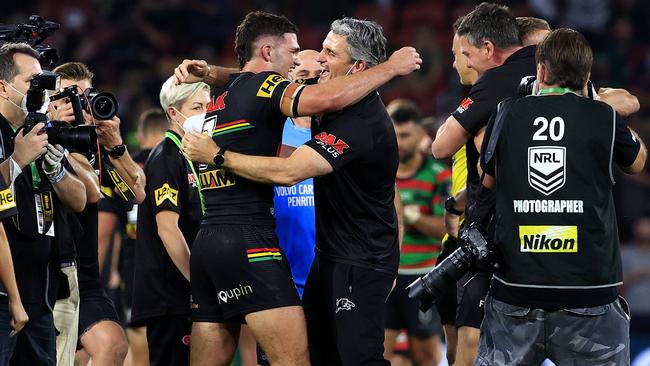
(353, 159)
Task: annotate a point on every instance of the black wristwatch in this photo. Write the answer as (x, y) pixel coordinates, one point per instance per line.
(450, 204)
(219, 159)
(117, 151)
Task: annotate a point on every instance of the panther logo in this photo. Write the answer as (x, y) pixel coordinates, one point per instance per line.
(343, 304)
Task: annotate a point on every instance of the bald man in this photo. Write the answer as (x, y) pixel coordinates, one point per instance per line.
(294, 206)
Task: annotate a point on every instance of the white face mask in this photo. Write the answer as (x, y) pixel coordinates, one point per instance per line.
(23, 102)
(192, 124)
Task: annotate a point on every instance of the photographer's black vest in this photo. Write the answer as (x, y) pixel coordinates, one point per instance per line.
(555, 220)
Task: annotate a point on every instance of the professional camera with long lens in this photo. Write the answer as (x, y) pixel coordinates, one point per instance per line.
(76, 137)
(474, 252)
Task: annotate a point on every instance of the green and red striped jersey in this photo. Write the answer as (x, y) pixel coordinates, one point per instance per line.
(427, 189)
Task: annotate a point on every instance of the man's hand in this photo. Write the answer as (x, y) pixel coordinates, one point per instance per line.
(199, 148)
(191, 71)
(452, 224)
(108, 132)
(29, 147)
(52, 159)
(404, 61)
(61, 112)
(18, 317)
(411, 214)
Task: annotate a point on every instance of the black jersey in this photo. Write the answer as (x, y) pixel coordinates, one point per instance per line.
(159, 287)
(245, 118)
(30, 231)
(356, 221)
(491, 88)
(555, 221)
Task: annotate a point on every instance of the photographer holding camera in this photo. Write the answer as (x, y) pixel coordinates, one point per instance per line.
(555, 221)
(39, 186)
(99, 330)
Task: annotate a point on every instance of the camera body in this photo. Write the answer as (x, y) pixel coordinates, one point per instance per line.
(34, 32)
(76, 137)
(528, 86)
(475, 252)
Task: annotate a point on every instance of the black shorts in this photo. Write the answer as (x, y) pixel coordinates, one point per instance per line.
(236, 270)
(446, 303)
(403, 312)
(94, 307)
(345, 312)
(471, 298)
(168, 338)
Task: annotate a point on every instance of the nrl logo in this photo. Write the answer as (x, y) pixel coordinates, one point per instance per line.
(546, 168)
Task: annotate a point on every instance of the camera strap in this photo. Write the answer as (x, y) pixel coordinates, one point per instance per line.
(502, 111)
(179, 145)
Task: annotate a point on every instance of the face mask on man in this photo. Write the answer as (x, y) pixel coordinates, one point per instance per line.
(23, 102)
(192, 124)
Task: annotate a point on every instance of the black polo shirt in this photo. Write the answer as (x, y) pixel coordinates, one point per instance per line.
(30, 250)
(356, 221)
(159, 287)
(246, 118)
(87, 252)
(474, 111)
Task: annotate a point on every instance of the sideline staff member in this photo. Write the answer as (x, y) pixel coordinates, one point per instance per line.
(556, 225)
(168, 221)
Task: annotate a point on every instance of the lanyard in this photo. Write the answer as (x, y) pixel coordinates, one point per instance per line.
(36, 178)
(555, 91)
(177, 142)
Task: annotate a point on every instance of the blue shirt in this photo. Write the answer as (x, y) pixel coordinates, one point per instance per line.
(294, 214)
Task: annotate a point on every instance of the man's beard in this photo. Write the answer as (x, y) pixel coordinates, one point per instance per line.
(407, 156)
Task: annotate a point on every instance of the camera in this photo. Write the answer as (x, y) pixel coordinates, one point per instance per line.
(474, 252)
(82, 138)
(34, 32)
(102, 105)
(76, 137)
(528, 86)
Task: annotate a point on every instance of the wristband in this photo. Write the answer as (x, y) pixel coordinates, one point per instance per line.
(14, 171)
(56, 178)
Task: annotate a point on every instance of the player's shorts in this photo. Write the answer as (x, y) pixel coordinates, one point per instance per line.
(403, 312)
(236, 270)
(94, 306)
(168, 338)
(446, 303)
(471, 289)
(344, 309)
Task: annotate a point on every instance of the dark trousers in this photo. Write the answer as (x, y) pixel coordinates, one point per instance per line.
(168, 338)
(36, 342)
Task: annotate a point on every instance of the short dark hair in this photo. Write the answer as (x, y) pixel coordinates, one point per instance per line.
(153, 120)
(76, 71)
(258, 24)
(8, 69)
(528, 25)
(567, 57)
(490, 22)
(403, 110)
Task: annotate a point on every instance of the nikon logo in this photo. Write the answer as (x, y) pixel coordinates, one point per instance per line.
(548, 239)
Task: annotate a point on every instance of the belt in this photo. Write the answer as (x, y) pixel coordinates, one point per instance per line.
(67, 264)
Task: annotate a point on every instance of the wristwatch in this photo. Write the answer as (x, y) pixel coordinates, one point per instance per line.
(450, 204)
(219, 159)
(117, 151)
